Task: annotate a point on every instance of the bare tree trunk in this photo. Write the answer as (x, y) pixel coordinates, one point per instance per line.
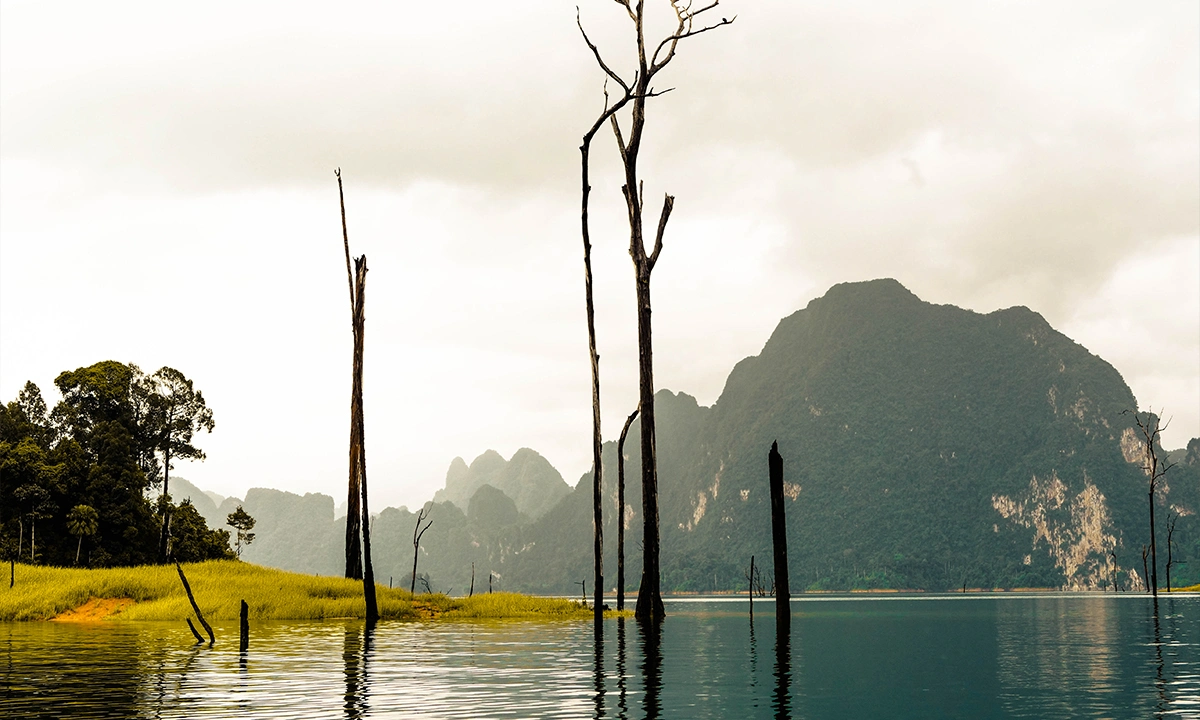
(750, 578)
(621, 511)
(192, 599)
(165, 531)
(1171, 519)
(354, 568)
(360, 326)
(1153, 552)
(779, 533)
(471, 592)
(418, 531)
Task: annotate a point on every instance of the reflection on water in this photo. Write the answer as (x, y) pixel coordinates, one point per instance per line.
(1051, 655)
(782, 702)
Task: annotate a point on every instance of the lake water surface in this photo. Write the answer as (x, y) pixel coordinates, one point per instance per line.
(973, 656)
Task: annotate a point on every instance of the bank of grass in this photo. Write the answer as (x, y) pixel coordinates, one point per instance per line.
(42, 593)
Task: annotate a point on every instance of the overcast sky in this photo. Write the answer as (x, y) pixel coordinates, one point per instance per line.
(167, 198)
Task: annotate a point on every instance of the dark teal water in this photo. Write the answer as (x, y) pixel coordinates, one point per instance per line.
(1007, 656)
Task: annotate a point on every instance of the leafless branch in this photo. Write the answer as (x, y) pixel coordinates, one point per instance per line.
(345, 240)
(668, 204)
(684, 30)
(596, 52)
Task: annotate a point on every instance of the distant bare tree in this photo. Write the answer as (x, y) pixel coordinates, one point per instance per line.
(634, 93)
(1155, 469)
(621, 511)
(418, 531)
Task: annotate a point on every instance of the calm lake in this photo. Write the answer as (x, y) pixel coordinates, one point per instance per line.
(974, 656)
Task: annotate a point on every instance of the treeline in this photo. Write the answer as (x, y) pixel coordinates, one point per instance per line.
(76, 481)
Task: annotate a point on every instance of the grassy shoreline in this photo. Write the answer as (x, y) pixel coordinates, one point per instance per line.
(42, 593)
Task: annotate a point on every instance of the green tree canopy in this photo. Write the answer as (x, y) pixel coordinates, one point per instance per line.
(241, 521)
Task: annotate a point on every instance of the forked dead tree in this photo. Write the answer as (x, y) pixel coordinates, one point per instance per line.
(621, 511)
(635, 92)
(418, 531)
(1155, 470)
(358, 518)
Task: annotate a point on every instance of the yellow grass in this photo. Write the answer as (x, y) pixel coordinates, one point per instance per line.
(1190, 588)
(42, 593)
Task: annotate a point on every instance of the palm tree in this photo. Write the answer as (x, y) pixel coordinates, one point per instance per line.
(82, 520)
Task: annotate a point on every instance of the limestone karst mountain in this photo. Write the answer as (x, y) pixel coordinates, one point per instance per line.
(528, 479)
(925, 446)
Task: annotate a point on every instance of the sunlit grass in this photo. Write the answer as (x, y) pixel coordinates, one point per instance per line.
(41, 593)
(1190, 588)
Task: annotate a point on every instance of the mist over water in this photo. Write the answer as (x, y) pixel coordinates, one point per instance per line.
(1049, 655)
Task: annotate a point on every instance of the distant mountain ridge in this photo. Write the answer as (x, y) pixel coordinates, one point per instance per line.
(527, 478)
(925, 447)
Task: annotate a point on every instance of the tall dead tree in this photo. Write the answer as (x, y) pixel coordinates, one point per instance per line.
(1155, 470)
(358, 519)
(629, 141)
(593, 355)
(353, 493)
(621, 511)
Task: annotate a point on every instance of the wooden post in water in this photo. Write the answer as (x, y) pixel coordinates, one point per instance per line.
(783, 607)
(244, 627)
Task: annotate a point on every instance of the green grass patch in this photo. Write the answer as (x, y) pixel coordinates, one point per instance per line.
(42, 593)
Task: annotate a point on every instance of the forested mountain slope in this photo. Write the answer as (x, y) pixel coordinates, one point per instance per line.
(925, 446)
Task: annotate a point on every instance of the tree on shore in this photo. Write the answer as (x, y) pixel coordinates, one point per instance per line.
(97, 448)
(243, 523)
(634, 93)
(177, 412)
(83, 520)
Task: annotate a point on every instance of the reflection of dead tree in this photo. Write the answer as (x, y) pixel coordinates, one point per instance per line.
(1155, 470)
(418, 531)
(634, 93)
(621, 511)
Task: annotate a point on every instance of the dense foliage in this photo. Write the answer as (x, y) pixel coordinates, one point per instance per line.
(75, 482)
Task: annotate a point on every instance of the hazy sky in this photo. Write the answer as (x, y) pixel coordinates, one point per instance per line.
(167, 198)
